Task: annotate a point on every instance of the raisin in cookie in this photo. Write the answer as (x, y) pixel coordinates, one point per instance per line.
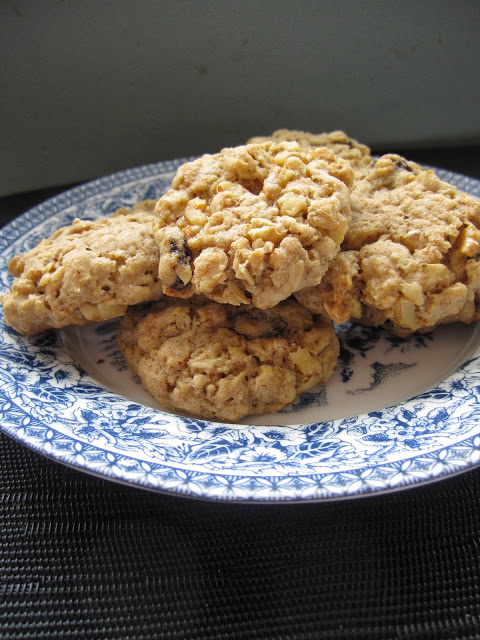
(88, 271)
(254, 223)
(410, 258)
(356, 153)
(224, 362)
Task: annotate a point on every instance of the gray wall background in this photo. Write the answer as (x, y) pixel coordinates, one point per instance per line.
(89, 87)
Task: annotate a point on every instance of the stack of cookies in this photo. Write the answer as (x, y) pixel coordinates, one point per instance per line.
(231, 283)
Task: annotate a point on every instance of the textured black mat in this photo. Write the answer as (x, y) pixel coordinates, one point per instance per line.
(87, 559)
(84, 558)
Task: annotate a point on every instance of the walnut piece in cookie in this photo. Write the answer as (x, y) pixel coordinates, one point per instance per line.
(254, 223)
(410, 258)
(357, 154)
(225, 362)
(88, 271)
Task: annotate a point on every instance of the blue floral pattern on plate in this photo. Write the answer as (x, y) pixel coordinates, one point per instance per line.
(397, 413)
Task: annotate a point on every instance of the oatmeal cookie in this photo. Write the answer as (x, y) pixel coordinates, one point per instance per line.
(410, 258)
(88, 271)
(356, 153)
(224, 362)
(254, 223)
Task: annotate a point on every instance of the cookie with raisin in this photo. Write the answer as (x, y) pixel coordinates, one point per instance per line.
(87, 271)
(357, 154)
(225, 362)
(252, 224)
(410, 258)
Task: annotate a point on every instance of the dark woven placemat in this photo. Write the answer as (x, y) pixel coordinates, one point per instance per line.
(84, 558)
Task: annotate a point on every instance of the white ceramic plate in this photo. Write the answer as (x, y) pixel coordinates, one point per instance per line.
(396, 413)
